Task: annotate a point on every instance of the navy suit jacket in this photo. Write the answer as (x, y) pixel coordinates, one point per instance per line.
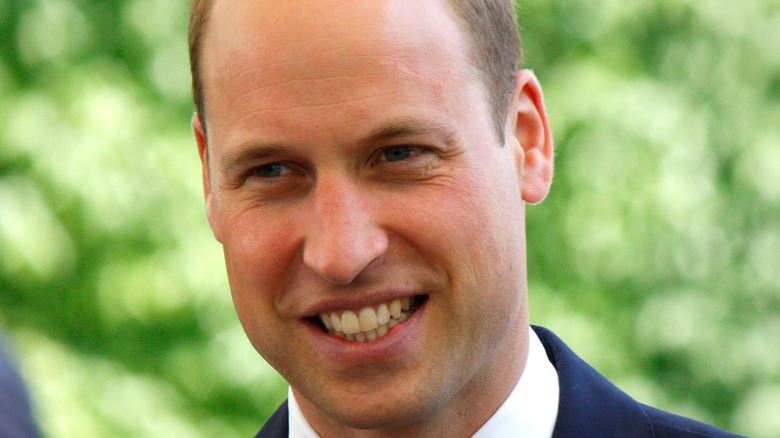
(589, 406)
(15, 417)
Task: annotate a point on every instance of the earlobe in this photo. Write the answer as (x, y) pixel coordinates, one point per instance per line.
(200, 138)
(530, 134)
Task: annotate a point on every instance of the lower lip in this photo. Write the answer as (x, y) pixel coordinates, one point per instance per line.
(345, 353)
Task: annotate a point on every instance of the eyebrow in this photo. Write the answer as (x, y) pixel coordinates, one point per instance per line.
(390, 131)
(407, 128)
(247, 152)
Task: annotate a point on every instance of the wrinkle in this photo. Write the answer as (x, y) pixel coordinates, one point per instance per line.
(344, 101)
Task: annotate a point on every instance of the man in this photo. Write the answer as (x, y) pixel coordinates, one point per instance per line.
(366, 166)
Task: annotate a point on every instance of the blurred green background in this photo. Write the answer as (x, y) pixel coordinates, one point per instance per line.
(656, 255)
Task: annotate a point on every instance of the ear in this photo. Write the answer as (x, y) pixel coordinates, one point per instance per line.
(528, 132)
(203, 151)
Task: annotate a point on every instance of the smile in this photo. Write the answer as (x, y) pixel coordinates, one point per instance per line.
(370, 322)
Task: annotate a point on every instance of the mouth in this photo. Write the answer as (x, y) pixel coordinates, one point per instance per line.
(371, 322)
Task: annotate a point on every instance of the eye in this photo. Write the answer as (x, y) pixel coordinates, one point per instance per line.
(272, 170)
(399, 153)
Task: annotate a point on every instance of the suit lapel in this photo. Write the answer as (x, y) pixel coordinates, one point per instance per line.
(278, 425)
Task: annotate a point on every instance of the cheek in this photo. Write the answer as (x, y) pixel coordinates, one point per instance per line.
(474, 226)
(258, 239)
(253, 290)
(480, 213)
(258, 252)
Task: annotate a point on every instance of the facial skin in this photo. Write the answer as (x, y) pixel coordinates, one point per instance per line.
(350, 161)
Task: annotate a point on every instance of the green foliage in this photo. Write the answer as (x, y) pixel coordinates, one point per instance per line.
(655, 256)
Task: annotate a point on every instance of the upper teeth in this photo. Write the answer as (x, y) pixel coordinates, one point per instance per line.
(369, 323)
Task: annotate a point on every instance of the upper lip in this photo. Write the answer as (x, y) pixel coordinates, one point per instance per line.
(353, 303)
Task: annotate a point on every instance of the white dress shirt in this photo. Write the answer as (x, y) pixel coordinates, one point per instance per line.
(529, 411)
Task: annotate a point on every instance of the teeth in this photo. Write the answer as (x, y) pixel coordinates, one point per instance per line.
(368, 324)
(368, 319)
(395, 308)
(349, 322)
(382, 314)
(325, 318)
(335, 320)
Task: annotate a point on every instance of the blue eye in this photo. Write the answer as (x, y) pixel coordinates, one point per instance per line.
(271, 170)
(398, 153)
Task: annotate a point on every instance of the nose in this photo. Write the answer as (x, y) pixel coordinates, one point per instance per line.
(344, 236)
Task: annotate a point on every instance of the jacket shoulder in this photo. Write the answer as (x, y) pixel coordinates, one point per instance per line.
(591, 406)
(668, 425)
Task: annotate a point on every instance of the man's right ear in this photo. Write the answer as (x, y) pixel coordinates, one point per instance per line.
(203, 151)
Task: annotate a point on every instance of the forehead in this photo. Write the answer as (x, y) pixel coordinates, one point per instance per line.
(261, 54)
(267, 23)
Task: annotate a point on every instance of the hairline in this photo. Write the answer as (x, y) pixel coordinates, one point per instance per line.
(200, 14)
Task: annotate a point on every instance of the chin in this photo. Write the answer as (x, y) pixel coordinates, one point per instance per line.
(385, 416)
(367, 412)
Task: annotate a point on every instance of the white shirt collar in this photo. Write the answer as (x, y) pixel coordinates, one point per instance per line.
(530, 410)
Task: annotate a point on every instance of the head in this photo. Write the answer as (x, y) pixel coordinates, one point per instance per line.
(488, 26)
(372, 219)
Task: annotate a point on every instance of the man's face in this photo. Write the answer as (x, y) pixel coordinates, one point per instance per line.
(351, 165)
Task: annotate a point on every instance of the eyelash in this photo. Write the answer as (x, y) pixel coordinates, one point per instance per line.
(285, 169)
(412, 150)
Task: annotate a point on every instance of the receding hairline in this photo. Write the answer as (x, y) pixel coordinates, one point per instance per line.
(493, 51)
